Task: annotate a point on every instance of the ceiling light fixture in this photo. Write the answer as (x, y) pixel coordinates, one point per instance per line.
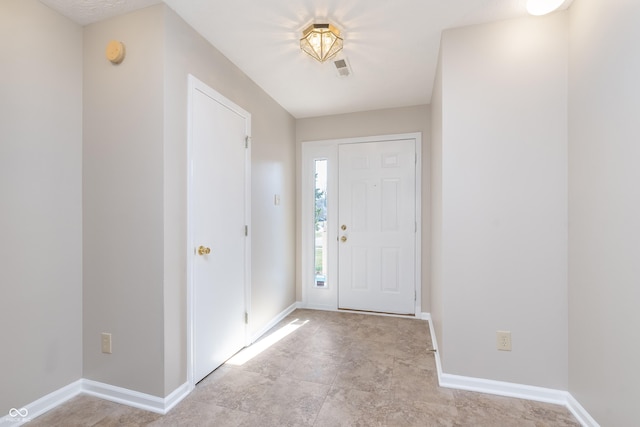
(542, 7)
(321, 41)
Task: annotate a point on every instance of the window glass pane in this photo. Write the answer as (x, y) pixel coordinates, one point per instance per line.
(320, 223)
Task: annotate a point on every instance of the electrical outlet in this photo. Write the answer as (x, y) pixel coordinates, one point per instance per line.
(504, 340)
(106, 342)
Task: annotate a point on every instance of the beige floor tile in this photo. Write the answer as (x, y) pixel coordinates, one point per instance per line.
(369, 350)
(413, 384)
(380, 333)
(366, 375)
(80, 411)
(419, 359)
(483, 409)
(421, 414)
(323, 342)
(270, 364)
(195, 413)
(286, 399)
(299, 401)
(316, 368)
(326, 369)
(229, 390)
(548, 415)
(350, 407)
(126, 416)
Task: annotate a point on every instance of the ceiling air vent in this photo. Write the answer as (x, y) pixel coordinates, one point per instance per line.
(342, 67)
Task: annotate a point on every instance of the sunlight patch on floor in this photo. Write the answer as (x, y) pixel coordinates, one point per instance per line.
(255, 349)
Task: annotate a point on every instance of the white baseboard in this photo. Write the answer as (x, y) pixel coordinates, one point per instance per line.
(136, 399)
(520, 391)
(580, 413)
(256, 335)
(19, 416)
(320, 307)
(501, 388)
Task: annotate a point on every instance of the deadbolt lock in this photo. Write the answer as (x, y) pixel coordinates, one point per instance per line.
(343, 227)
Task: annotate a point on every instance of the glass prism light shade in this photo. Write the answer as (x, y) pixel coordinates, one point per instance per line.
(542, 7)
(321, 41)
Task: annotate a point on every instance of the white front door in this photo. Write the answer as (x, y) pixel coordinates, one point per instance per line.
(377, 226)
(218, 215)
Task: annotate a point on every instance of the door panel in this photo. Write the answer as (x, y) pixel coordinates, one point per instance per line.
(376, 255)
(390, 270)
(359, 276)
(218, 223)
(389, 200)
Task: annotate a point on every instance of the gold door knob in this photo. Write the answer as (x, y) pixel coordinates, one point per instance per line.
(343, 239)
(203, 250)
(343, 227)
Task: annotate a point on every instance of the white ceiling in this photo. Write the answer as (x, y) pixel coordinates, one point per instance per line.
(391, 45)
(88, 11)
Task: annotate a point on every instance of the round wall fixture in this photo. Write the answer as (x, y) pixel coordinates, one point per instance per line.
(115, 51)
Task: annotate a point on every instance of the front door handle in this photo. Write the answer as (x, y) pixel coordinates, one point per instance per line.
(343, 239)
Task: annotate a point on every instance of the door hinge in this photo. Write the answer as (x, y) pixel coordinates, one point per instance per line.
(246, 317)
(246, 230)
(247, 140)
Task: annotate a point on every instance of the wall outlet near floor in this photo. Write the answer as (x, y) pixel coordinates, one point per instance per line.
(105, 339)
(504, 340)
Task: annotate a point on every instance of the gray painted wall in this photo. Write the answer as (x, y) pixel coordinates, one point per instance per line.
(123, 203)
(40, 199)
(503, 228)
(273, 172)
(436, 204)
(106, 144)
(135, 196)
(604, 209)
(370, 123)
(41, 187)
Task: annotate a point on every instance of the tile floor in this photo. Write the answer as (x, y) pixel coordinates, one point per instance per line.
(325, 369)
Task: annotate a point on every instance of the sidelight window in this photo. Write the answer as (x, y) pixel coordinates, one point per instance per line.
(320, 223)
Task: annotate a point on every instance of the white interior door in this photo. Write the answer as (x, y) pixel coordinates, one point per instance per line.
(377, 226)
(218, 218)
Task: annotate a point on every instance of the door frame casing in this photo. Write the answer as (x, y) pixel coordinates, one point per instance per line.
(194, 84)
(327, 299)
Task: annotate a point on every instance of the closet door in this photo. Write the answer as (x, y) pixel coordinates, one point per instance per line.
(218, 214)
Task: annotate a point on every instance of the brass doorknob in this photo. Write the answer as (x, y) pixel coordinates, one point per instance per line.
(343, 239)
(203, 250)
(343, 227)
